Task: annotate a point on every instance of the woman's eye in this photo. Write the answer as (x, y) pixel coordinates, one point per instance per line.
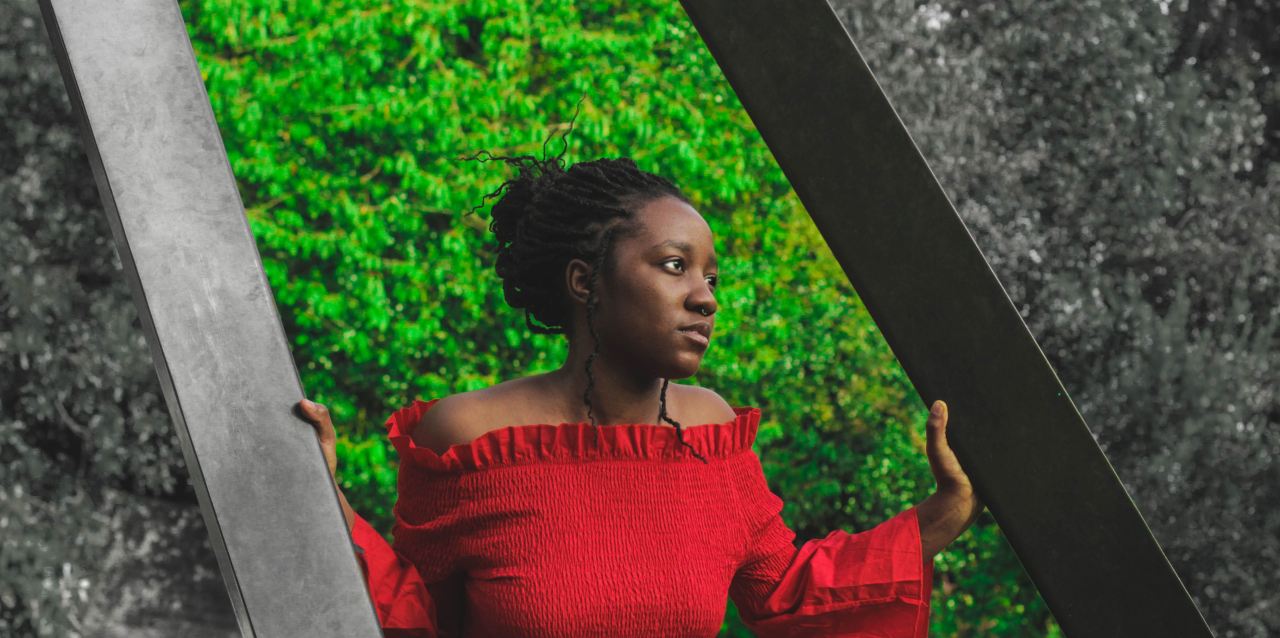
(714, 279)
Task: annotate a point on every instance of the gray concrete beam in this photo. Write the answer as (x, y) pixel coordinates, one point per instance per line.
(210, 318)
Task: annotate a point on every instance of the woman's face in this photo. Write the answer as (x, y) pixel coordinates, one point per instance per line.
(662, 279)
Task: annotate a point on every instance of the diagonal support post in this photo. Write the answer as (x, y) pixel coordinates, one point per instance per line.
(210, 319)
(948, 320)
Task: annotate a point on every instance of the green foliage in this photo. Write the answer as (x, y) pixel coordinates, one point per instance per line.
(368, 477)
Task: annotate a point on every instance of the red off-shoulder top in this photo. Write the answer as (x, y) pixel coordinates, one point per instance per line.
(618, 530)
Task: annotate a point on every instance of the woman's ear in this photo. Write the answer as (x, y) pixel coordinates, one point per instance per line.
(577, 279)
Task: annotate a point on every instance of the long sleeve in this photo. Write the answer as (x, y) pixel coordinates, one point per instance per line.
(417, 582)
(404, 606)
(875, 583)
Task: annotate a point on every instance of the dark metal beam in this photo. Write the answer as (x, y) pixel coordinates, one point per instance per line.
(945, 315)
(215, 335)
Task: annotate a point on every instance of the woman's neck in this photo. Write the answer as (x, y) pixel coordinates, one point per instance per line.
(619, 395)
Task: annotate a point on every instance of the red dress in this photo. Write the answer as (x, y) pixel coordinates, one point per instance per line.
(618, 530)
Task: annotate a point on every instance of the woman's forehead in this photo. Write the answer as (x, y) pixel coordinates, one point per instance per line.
(672, 224)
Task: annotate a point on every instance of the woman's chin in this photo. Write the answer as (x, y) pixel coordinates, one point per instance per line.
(687, 366)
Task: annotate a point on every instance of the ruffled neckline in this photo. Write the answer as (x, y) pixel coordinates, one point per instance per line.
(572, 442)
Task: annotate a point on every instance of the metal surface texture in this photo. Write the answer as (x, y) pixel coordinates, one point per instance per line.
(951, 324)
(210, 319)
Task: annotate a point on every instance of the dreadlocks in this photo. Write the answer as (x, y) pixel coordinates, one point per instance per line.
(546, 216)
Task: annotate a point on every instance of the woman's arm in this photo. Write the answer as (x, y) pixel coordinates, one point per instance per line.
(400, 597)
(944, 515)
(319, 417)
(953, 506)
(876, 582)
(347, 512)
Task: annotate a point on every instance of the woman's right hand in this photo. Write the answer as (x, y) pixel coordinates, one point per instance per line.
(318, 415)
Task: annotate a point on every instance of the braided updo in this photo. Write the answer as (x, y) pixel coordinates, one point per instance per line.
(546, 216)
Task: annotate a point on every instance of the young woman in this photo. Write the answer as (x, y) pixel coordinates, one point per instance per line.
(600, 499)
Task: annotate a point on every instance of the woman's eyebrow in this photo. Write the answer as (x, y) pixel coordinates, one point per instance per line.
(685, 246)
(676, 243)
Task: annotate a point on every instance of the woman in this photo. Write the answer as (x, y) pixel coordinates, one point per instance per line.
(600, 499)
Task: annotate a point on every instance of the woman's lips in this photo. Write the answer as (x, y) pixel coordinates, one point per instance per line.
(696, 337)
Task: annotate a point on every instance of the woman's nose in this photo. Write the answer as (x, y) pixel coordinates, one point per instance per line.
(703, 298)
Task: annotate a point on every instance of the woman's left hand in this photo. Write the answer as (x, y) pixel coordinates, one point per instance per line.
(946, 469)
(953, 506)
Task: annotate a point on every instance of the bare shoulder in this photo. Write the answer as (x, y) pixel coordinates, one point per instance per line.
(452, 420)
(706, 405)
